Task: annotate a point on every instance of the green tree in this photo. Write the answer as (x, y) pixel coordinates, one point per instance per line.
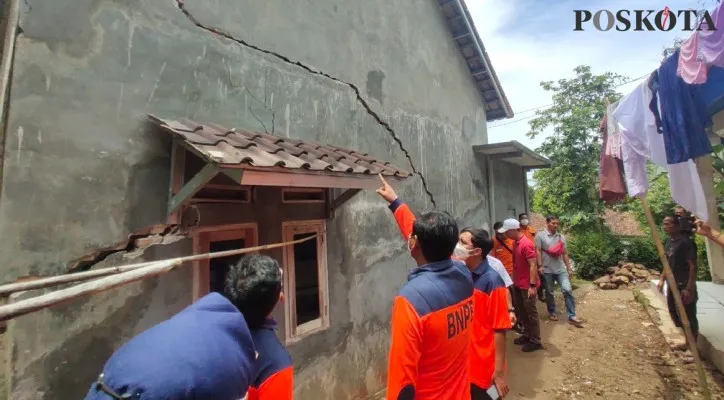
(569, 188)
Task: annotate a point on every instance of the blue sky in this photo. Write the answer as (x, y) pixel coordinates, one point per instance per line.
(530, 41)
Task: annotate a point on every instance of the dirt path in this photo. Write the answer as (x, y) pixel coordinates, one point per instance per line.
(619, 355)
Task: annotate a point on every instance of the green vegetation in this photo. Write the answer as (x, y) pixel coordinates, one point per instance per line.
(570, 188)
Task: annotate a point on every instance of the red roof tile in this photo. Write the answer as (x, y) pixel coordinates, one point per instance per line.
(237, 146)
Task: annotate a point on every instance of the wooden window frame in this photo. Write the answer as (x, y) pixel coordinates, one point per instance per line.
(304, 190)
(230, 188)
(294, 332)
(203, 237)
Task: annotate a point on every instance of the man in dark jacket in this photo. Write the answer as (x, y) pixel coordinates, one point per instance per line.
(204, 352)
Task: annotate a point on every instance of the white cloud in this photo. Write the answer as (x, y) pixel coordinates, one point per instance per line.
(530, 41)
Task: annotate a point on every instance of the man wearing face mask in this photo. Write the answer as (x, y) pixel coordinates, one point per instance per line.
(490, 317)
(491, 300)
(526, 282)
(433, 313)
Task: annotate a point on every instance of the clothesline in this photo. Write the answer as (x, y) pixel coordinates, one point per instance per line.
(664, 120)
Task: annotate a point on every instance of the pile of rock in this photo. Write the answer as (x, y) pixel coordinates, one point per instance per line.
(624, 275)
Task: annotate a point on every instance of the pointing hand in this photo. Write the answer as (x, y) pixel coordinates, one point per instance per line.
(386, 191)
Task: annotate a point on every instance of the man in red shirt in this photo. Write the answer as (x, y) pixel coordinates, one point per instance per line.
(526, 282)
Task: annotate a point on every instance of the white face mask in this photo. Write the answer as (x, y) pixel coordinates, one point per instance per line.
(460, 252)
(524, 222)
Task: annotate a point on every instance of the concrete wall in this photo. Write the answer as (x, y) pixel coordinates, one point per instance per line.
(82, 170)
(509, 186)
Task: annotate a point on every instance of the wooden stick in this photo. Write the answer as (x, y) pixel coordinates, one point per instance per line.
(677, 297)
(136, 272)
(8, 289)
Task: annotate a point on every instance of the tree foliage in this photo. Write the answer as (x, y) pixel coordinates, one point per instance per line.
(569, 188)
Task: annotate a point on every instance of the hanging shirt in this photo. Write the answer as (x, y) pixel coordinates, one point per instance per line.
(613, 146)
(684, 115)
(273, 371)
(703, 48)
(610, 173)
(432, 319)
(641, 141)
(691, 68)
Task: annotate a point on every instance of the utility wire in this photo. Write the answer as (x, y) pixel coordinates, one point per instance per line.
(548, 105)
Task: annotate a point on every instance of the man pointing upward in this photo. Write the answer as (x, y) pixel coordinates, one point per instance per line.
(432, 314)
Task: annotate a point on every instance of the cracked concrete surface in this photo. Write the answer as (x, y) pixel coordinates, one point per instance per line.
(365, 104)
(82, 170)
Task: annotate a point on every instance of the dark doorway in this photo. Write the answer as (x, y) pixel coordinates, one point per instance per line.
(219, 267)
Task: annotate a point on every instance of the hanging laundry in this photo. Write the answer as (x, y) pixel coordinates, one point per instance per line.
(691, 66)
(640, 141)
(653, 83)
(684, 116)
(612, 188)
(613, 145)
(702, 49)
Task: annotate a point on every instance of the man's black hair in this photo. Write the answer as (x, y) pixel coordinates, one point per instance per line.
(551, 217)
(674, 218)
(437, 235)
(253, 285)
(497, 226)
(522, 214)
(480, 238)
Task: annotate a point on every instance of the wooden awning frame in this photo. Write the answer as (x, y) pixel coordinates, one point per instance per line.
(180, 193)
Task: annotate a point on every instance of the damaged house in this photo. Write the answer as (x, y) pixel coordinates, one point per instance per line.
(144, 130)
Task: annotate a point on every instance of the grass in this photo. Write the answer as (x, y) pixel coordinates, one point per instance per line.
(640, 297)
(577, 282)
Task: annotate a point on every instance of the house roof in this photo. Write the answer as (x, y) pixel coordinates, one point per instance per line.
(620, 223)
(237, 148)
(466, 36)
(514, 153)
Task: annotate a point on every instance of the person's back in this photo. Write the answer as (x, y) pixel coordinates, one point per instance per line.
(491, 316)
(429, 359)
(432, 314)
(254, 286)
(273, 371)
(203, 352)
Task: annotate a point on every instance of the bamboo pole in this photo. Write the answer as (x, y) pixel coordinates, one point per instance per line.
(677, 297)
(23, 307)
(6, 62)
(136, 272)
(6, 290)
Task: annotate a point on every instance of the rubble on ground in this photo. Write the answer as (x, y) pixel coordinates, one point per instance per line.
(624, 275)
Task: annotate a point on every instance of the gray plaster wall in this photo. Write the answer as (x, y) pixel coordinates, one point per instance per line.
(82, 169)
(509, 187)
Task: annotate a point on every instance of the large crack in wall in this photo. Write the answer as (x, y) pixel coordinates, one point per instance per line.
(138, 241)
(386, 126)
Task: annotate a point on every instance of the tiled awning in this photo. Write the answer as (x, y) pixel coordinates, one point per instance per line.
(268, 160)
